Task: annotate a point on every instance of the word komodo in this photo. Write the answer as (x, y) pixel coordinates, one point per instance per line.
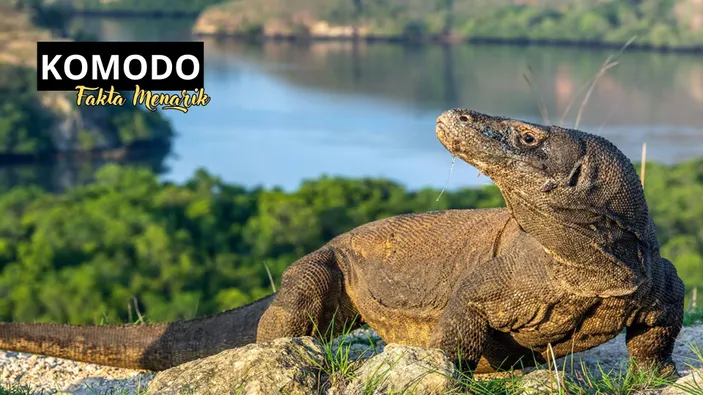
(571, 261)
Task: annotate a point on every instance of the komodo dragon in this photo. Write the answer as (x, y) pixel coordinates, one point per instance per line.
(570, 262)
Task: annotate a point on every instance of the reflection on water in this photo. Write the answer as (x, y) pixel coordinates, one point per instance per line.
(283, 112)
(645, 90)
(65, 173)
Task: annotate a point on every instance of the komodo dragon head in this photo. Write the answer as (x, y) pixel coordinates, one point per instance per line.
(575, 192)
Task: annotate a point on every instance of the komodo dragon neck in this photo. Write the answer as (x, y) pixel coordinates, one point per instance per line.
(583, 252)
(574, 192)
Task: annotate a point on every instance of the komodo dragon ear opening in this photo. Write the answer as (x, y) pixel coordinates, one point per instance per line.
(575, 175)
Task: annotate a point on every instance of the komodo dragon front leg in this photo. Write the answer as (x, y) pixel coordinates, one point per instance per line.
(652, 335)
(505, 295)
(462, 330)
(311, 301)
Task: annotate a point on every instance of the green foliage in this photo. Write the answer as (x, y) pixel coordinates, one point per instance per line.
(196, 248)
(693, 317)
(23, 123)
(17, 390)
(656, 23)
(200, 247)
(26, 119)
(674, 195)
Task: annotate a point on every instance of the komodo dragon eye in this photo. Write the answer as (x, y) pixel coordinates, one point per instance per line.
(464, 118)
(529, 138)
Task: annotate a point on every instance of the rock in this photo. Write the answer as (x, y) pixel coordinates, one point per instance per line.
(359, 344)
(71, 121)
(400, 369)
(540, 381)
(280, 363)
(47, 375)
(287, 365)
(690, 384)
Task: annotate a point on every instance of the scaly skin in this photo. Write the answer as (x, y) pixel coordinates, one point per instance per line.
(571, 262)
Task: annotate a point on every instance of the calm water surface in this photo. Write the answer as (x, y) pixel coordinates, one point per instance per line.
(282, 112)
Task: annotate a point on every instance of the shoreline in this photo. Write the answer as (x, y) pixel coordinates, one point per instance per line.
(442, 40)
(517, 42)
(135, 150)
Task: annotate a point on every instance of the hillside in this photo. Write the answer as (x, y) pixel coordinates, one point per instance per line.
(35, 125)
(672, 23)
(658, 24)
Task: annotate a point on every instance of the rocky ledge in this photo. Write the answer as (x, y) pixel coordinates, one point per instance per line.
(359, 363)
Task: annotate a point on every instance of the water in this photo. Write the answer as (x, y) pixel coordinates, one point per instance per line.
(282, 112)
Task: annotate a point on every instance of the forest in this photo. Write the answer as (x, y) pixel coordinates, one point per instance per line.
(130, 247)
(655, 23)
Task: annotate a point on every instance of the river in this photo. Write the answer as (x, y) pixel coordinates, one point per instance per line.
(284, 112)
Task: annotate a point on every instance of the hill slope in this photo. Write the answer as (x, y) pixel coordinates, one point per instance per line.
(37, 124)
(671, 23)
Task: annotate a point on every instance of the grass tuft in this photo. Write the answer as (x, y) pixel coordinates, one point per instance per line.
(693, 317)
(16, 390)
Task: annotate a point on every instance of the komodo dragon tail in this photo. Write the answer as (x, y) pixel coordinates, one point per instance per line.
(152, 347)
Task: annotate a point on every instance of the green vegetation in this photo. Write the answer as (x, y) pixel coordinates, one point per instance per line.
(26, 123)
(693, 317)
(16, 390)
(654, 22)
(38, 124)
(674, 195)
(657, 23)
(46, 15)
(179, 251)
